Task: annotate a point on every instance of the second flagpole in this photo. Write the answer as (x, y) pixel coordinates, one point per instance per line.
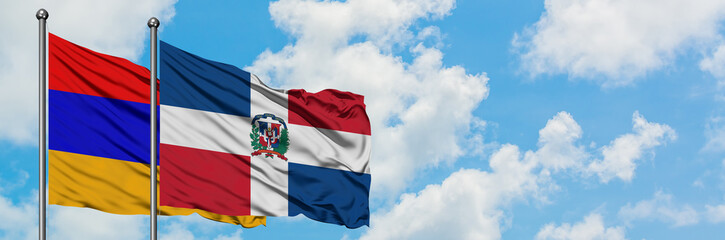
(153, 24)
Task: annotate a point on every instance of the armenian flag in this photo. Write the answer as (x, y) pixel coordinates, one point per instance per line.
(98, 139)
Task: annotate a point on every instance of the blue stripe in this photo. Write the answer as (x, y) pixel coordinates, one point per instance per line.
(329, 195)
(190, 81)
(98, 126)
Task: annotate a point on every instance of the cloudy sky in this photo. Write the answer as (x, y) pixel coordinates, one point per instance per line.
(529, 119)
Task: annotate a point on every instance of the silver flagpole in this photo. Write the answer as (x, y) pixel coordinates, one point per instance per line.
(154, 26)
(42, 16)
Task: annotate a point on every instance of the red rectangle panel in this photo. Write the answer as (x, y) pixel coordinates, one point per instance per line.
(77, 69)
(200, 179)
(329, 109)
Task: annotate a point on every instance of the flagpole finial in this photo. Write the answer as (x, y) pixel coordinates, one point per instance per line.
(41, 14)
(153, 22)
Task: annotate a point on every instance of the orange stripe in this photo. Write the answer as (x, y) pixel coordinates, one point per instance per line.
(113, 186)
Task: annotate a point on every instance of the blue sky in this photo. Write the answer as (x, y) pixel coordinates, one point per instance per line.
(584, 119)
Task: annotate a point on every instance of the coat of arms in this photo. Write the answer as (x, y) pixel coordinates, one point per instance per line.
(269, 136)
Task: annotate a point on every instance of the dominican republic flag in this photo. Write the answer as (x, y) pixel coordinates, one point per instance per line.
(231, 145)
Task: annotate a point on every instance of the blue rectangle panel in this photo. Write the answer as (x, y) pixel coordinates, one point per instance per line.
(190, 81)
(98, 126)
(329, 195)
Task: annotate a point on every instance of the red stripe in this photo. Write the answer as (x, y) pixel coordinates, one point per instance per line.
(207, 180)
(76, 69)
(329, 109)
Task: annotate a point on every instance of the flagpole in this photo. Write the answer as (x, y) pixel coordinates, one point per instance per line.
(42, 16)
(153, 24)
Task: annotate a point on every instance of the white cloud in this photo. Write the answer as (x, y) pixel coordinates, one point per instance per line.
(662, 208)
(196, 227)
(592, 227)
(19, 219)
(112, 27)
(470, 203)
(715, 214)
(620, 155)
(715, 135)
(237, 235)
(465, 206)
(332, 23)
(86, 223)
(557, 148)
(618, 40)
(177, 233)
(420, 111)
(715, 64)
(18, 181)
